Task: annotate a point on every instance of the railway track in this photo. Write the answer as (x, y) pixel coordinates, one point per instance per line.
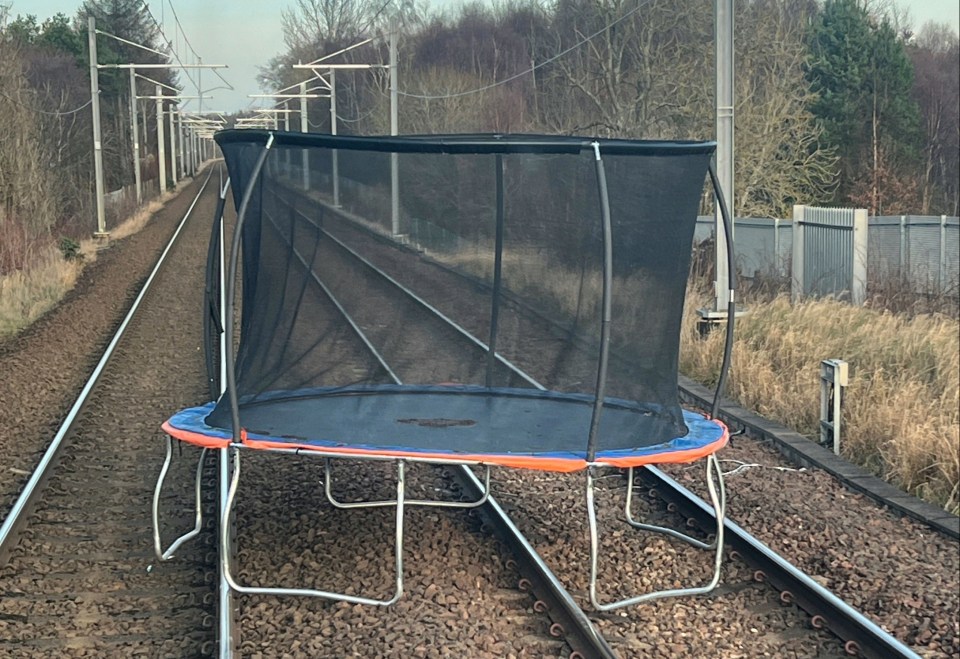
(78, 577)
(78, 583)
(860, 635)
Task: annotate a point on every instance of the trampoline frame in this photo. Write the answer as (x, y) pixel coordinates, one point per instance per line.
(714, 475)
(715, 487)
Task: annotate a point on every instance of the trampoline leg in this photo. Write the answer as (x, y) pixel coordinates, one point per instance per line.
(198, 515)
(328, 488)
(673, 533)
(716, 489)
(309, 592)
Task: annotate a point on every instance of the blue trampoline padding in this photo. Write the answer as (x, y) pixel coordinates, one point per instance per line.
(510, 427)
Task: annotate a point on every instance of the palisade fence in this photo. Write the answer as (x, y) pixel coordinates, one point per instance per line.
(918, 252)
(829, 253)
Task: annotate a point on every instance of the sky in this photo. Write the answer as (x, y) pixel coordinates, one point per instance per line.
(245, 34)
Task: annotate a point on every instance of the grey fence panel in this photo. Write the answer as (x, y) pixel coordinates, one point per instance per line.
(763, 245)
(828, 245)
(923, 257)
(923, 251)
(885, 247)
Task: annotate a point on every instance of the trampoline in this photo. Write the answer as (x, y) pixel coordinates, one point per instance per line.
(558, 263)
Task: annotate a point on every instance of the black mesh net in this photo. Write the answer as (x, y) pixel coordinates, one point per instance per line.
(352, 246)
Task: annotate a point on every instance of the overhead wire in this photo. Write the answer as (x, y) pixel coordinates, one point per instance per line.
(46, 112)
(183, 32)
(170, 44)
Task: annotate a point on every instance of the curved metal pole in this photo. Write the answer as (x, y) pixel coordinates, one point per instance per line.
(731, 285)
(231, 290)
(606, 312)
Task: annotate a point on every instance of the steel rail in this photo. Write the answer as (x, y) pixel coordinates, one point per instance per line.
(863, 636)
(9, 531)
(574, 625)
(859, 632)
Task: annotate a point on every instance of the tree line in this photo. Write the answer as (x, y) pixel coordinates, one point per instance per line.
(837, 102)
(46, 155)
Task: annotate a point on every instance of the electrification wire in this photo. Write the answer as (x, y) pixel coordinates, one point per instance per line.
(46, 112)
(182, 31)
(190, 45)
(176, 55)
(355, 119)
(169, 43)
(547, 61)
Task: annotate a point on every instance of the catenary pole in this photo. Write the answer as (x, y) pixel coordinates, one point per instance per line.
(173, 147)
(394, 129)
(723, 30)
(334, 154)
(304, 126)
(161, 149)
(183, 163)
(95, 110)
(135, 134)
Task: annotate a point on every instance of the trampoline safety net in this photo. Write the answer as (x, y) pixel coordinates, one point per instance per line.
(503, 235)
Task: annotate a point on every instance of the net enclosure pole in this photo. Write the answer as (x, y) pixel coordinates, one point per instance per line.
(394, 129)
(727, 226)
(161, 149)
(605, 311)
(134, 134)
(231, 289)
(497, 274)
(95, 111)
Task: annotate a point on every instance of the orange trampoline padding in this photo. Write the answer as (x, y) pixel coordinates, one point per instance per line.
(546, 431)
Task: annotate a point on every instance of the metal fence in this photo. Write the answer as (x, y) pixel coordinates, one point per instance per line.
(829, 253)
(121, 203)
(922, 252)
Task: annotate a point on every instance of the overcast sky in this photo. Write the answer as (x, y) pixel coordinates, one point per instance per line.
(244, 34)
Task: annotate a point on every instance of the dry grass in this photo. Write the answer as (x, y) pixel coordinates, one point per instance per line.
(29, 292)
(902, 409)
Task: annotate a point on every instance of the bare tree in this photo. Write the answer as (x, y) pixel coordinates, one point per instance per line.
(935, 54)
(779, 160)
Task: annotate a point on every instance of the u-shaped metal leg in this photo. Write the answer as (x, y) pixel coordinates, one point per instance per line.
(717, 491)
(198, 516)
(309, 592)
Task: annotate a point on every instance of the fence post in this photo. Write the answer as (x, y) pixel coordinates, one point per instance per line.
(858, 286)
(942, 270)
(796, 279)
(776, 246)
(903, 248)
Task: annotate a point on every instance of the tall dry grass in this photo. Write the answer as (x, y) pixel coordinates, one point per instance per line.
(46, 276)
(901, 414)
(27, 294)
